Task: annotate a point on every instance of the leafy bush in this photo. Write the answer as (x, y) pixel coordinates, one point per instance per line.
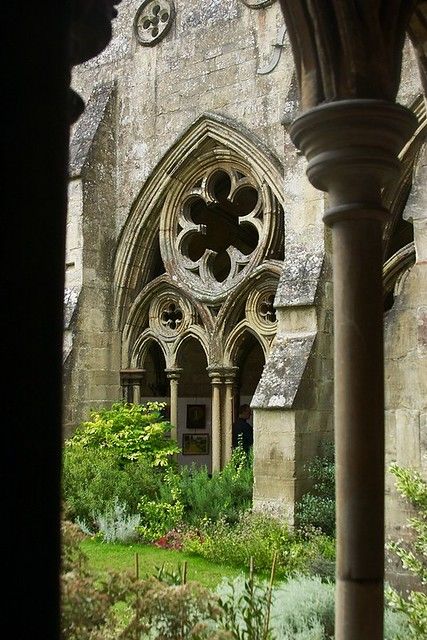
(225, 494)
(258, 536)
(86, 603)
(132, 430)
(157, 518)
(173, 612)
(151, 608)
(317, 507)
(93, 479)
(118, 456)
(411, 485)
(302, 608)
(165, 606)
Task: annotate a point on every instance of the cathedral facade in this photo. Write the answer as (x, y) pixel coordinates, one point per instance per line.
(198, 267)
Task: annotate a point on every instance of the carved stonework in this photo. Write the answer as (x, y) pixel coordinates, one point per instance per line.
(217, 226)
(169, 315)
(153, 20)
(277, 52)
(345, 50)
(260, 310)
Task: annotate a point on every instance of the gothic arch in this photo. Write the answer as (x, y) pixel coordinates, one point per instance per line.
(141, 346)
(235, 340)
(251, 308)
(195, 333)
(209, 134)
(151, 314)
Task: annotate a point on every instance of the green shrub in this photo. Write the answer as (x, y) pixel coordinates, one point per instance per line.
(302, 608)
(93, 479)
(259, 536)
(87, 605)
(411, 486)
(173, 612)
(157, 518)
(116, 524)
(225, 494)
(119, 456)
(246, 608)
(132, 430)
(316, 509)
(122, 606)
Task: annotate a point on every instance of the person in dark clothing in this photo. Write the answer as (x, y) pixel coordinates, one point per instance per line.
(243, 429)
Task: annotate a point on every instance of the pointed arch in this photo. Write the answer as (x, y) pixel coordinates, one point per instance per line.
(210, 130)
(236, 338)
(195, 333)
(266, 272)
(142, 346)
(144, 317)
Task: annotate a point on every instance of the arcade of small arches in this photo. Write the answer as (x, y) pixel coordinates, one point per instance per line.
(202, 319)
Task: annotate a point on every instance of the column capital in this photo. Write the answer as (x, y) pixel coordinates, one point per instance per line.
(352, 149)
(230, 374)
(221, 372)
(131, 375)
(173, 373)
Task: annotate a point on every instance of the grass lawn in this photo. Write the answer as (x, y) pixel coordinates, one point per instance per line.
(119, 557)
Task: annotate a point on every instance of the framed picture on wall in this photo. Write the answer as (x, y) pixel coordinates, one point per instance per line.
(196, 416)
(195, 444)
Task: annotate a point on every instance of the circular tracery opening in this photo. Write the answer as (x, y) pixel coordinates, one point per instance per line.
(266, 309)
(171, 317)
(220, 227)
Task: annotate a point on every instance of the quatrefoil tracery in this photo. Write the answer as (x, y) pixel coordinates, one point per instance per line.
(171, 316)
(153, 20)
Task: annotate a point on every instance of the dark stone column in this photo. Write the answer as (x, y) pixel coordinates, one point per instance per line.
(352, 148)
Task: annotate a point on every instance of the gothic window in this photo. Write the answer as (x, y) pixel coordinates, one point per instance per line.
(217, 225)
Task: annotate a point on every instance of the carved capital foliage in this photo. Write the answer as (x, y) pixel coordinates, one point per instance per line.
(345, 49)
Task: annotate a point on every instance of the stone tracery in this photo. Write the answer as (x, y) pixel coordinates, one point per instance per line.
(153, 20)
(221, 193)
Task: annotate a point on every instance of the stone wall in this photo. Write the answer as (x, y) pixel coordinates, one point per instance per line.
(406, 368)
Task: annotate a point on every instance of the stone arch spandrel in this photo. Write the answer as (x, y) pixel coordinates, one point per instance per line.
(405, 365)
(206, 133)
(396, 193)
(246, 302)
(405, 199)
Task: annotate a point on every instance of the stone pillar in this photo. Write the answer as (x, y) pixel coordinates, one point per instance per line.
(174, 375)
(216, 419)
(352, 147)
(136, 393)
(227, 416)
(131, 381)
